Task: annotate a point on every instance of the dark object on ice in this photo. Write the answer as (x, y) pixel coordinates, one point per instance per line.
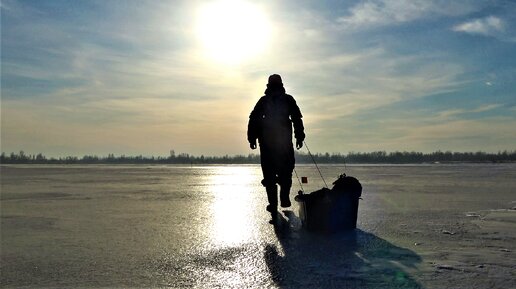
(332, 210)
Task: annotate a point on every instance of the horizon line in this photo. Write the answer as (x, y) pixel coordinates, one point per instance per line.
(185, 154)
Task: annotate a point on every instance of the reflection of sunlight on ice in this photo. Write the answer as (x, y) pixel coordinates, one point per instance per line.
(231, 188)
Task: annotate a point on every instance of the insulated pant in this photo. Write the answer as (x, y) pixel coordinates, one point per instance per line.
(277, 168)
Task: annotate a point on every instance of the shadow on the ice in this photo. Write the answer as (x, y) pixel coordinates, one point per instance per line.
(354, 259)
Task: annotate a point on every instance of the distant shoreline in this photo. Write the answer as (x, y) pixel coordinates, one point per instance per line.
(252, 164)
(378, 157)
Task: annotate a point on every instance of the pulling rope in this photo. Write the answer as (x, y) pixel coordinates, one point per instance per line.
(315, 164)
(297, 177)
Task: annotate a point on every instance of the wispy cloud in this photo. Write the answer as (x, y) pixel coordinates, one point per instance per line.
(388, 12)
(346, 85)
(455, 112)
(485, 26)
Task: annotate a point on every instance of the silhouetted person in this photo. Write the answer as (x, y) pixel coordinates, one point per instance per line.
(271, 123)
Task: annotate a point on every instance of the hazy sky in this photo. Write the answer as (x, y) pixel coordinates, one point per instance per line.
(145, 77)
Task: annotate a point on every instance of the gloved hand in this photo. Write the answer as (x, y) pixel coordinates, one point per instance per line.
(299, 144)
(252, 145)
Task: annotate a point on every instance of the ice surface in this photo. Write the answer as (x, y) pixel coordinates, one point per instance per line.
(183, 226)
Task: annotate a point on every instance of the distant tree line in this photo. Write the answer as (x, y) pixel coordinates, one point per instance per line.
(378, 157)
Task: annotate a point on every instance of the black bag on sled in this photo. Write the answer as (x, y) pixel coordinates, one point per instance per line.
(332, 210)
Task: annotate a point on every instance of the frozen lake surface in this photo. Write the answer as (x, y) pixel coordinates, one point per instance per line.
(419, 226)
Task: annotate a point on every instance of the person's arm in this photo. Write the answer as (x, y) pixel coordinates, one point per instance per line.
(253, 125)
(297, 121)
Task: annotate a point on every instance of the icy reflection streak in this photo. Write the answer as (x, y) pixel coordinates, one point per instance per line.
(232, 198)
(233, 256)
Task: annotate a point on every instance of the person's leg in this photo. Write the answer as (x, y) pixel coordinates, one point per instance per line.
(272, 196)
(269, 181)
(285, 181)
(285, 176)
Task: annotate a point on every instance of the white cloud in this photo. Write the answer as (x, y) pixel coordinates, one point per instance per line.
(454, 112)
(486, 107)
(484, 26)
(386, 12)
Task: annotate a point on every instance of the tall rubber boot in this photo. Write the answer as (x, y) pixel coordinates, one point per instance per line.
(272, 196)
(285, 194)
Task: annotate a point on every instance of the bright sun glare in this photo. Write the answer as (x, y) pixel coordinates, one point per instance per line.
(232, 31)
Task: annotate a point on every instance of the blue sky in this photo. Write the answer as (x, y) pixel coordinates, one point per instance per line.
(145, 77)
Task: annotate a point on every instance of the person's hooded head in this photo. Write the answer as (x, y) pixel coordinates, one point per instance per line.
(275, 85)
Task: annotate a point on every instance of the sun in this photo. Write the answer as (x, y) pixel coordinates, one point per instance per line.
(232, 31)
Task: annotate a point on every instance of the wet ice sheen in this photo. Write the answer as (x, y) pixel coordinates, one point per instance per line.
(183, 226)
